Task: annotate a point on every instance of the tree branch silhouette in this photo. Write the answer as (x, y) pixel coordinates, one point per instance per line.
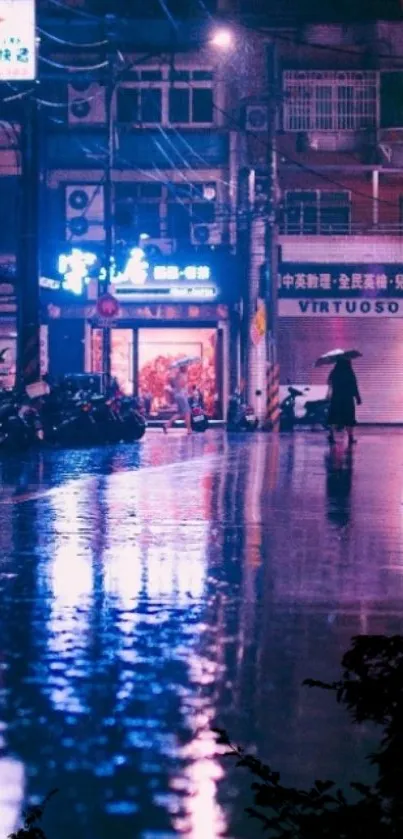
(371, 687)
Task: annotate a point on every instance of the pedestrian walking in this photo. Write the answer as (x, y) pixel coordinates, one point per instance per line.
(344, 395)
(181, 400)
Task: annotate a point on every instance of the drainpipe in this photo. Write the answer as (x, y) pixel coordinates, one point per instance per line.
(375, 197)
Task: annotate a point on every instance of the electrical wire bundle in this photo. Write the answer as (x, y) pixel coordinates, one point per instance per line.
(173, 146)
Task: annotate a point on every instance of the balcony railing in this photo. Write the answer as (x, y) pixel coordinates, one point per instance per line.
(320, 228)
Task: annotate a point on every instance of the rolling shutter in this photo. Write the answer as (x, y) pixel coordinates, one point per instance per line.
(379, 371)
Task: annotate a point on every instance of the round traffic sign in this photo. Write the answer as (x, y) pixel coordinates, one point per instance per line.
(107, 307)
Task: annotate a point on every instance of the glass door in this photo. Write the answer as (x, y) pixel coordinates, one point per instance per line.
(122, 359)
(159, 349)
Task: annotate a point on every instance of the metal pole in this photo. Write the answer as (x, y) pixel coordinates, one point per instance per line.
(28, 354)
(271, 245)
(108, 205)
(375, 197)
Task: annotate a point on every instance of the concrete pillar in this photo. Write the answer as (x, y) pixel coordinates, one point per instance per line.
(256, 343)
(28, 356)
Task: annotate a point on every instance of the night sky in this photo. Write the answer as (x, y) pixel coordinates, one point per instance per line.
(267, 10)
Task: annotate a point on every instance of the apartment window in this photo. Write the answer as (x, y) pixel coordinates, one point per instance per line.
(189, 204)
(142, 207)
(139, 105)
(392, 100)
(190, 104)
(138, 208)
(179, 101)
(316, 212)
(154, 96)
(329, 100)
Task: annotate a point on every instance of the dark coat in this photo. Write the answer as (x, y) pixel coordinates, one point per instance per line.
(344, 395)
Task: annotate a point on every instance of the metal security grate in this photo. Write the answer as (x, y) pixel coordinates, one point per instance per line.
(316, 212)
(329, 100)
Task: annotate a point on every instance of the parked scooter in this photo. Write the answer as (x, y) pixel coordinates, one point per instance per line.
(133, 421)
(198, 416)
(67, 416)
(78, 424)
(198, 419)
(288, 417)
(20, 427)
(240, 416)
(315, 411)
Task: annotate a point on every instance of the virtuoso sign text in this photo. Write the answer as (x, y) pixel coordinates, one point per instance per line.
(378, 307)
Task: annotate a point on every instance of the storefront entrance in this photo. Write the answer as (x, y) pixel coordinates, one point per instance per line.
(142, 361)
(379, 371)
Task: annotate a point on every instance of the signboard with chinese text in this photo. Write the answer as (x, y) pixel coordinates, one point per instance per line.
(17, 41)
(344, 281)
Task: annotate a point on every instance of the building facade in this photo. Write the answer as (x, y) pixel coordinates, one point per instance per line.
(173, 217)
(134, 140)
(184, 130)
(340, 220)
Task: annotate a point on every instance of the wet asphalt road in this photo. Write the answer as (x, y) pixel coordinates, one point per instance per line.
(150, 593)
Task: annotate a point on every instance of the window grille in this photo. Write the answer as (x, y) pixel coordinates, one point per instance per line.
(329, 100)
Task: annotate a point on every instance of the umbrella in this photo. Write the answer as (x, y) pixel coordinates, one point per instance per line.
(37, 389)
(183, 362)
(335, 355)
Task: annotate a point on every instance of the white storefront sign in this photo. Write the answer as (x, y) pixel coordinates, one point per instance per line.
(333, 307)
(8, 355)
(17, 40)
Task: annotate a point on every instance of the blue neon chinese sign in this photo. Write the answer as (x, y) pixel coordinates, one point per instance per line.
(137, 276)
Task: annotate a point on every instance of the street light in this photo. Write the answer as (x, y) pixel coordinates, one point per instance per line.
(222, 39)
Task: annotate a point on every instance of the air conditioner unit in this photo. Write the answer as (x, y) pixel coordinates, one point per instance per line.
(153, 248)
(86, 104)
(206, 234)
(334, 141)
(84, 213)
(256, 118)
(391, 155)
(390, 135)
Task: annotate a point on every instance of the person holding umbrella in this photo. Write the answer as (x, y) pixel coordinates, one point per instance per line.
(181, 394)
(344, 393)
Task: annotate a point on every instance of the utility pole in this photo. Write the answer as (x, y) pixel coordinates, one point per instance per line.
(271, 246)
(256, 309)
(104, 284)
(28, 353)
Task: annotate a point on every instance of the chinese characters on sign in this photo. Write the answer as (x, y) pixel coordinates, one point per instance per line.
(344, 281)
(17, 40)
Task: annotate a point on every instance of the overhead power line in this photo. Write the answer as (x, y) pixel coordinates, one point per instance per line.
(75, 11)
(263, 142)
(75, 44)
(88, 68)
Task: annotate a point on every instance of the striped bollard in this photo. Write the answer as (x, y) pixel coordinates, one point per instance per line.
(31, 358)
(273, 398)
